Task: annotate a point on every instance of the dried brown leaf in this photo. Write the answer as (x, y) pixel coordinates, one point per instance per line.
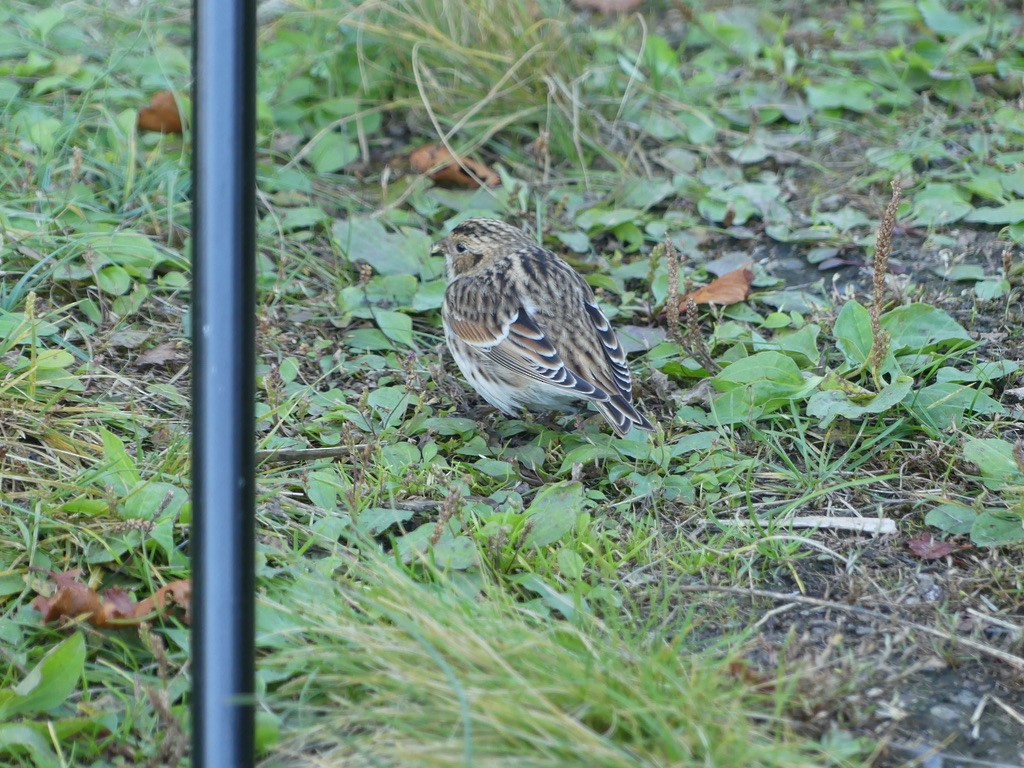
(731, 288)
(927, 547)
(445, 168)
(159, 355)
(114, 608)
(162, 114)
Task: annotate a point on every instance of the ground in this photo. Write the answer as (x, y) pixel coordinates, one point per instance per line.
(439, 584)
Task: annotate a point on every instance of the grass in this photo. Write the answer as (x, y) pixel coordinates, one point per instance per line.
(441, 585)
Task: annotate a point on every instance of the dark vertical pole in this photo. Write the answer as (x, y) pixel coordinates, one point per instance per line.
(223, 220)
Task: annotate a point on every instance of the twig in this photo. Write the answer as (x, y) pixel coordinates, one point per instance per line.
(877, 525)
(1008, 658)
(287, 455)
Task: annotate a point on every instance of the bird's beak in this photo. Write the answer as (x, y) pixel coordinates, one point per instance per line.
(437, 249)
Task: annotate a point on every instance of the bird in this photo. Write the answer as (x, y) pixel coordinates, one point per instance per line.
(525, 329)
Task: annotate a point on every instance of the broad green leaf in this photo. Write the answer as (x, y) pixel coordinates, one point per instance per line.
(551, 597)
(118, 467)
(951, 518)
(852, 330)
(376, 520)
(553, 513)
(154, 501)
(998, 528)
(943, 405)
(397, 326)
(984, 372)
(15, 328)
(923, 328)
(455, 552)
(827, 405)
(570, 564)
(362, 239)
(606, 219)
(49, 683)
(992, 288)
(1010, 213)
(758, 384)
(391, 403)
(114, 280)
(939, 204)
(332, 153)
(996, 462)
(19, 738)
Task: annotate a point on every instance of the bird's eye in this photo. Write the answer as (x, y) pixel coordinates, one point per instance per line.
(460, 248)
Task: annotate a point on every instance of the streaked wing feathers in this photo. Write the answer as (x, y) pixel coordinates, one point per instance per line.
(512, 339)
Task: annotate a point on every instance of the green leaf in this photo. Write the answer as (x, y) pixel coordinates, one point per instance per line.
(923, 328)
(553, 513)
(939, 204)
(118, 467)
(997, 529)
(992, 288)
(455, 552)
(16, 738)
(758, 384)
(942, 21)
(49, 683)
(842, 93)
(996, 461)
(397, 326)
(551, 597)
(376, 520)
(606, 219)
(362, 239)
(332, 153)
(154, 501)
(852, 330)
(951, 518)
(114, 280)
(391, 403)
(1010, 213)
(15, 328)
(828, 405)
(570, 564)
(943, 405)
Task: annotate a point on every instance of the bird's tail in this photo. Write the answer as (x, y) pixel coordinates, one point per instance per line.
(622, 415)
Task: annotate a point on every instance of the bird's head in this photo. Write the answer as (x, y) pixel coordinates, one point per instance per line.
(475, 243)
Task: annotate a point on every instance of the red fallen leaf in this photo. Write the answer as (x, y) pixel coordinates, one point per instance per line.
(162, 114)
(443, 167)
(609, 6)
(114, 609)
(161, 354)
(731, 288)
(927, 547)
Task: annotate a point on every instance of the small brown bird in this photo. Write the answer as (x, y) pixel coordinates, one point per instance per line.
(525, 330)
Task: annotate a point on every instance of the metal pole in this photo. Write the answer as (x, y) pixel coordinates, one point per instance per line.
(223, 389)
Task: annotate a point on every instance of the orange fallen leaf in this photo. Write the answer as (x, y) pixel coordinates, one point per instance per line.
(442, 166)
(162, 114)
(112, 609)
(731, 288)
(177, 592)
(608, 7)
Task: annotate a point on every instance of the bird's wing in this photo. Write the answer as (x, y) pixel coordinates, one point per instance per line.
(613, 351)
(508, 334)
